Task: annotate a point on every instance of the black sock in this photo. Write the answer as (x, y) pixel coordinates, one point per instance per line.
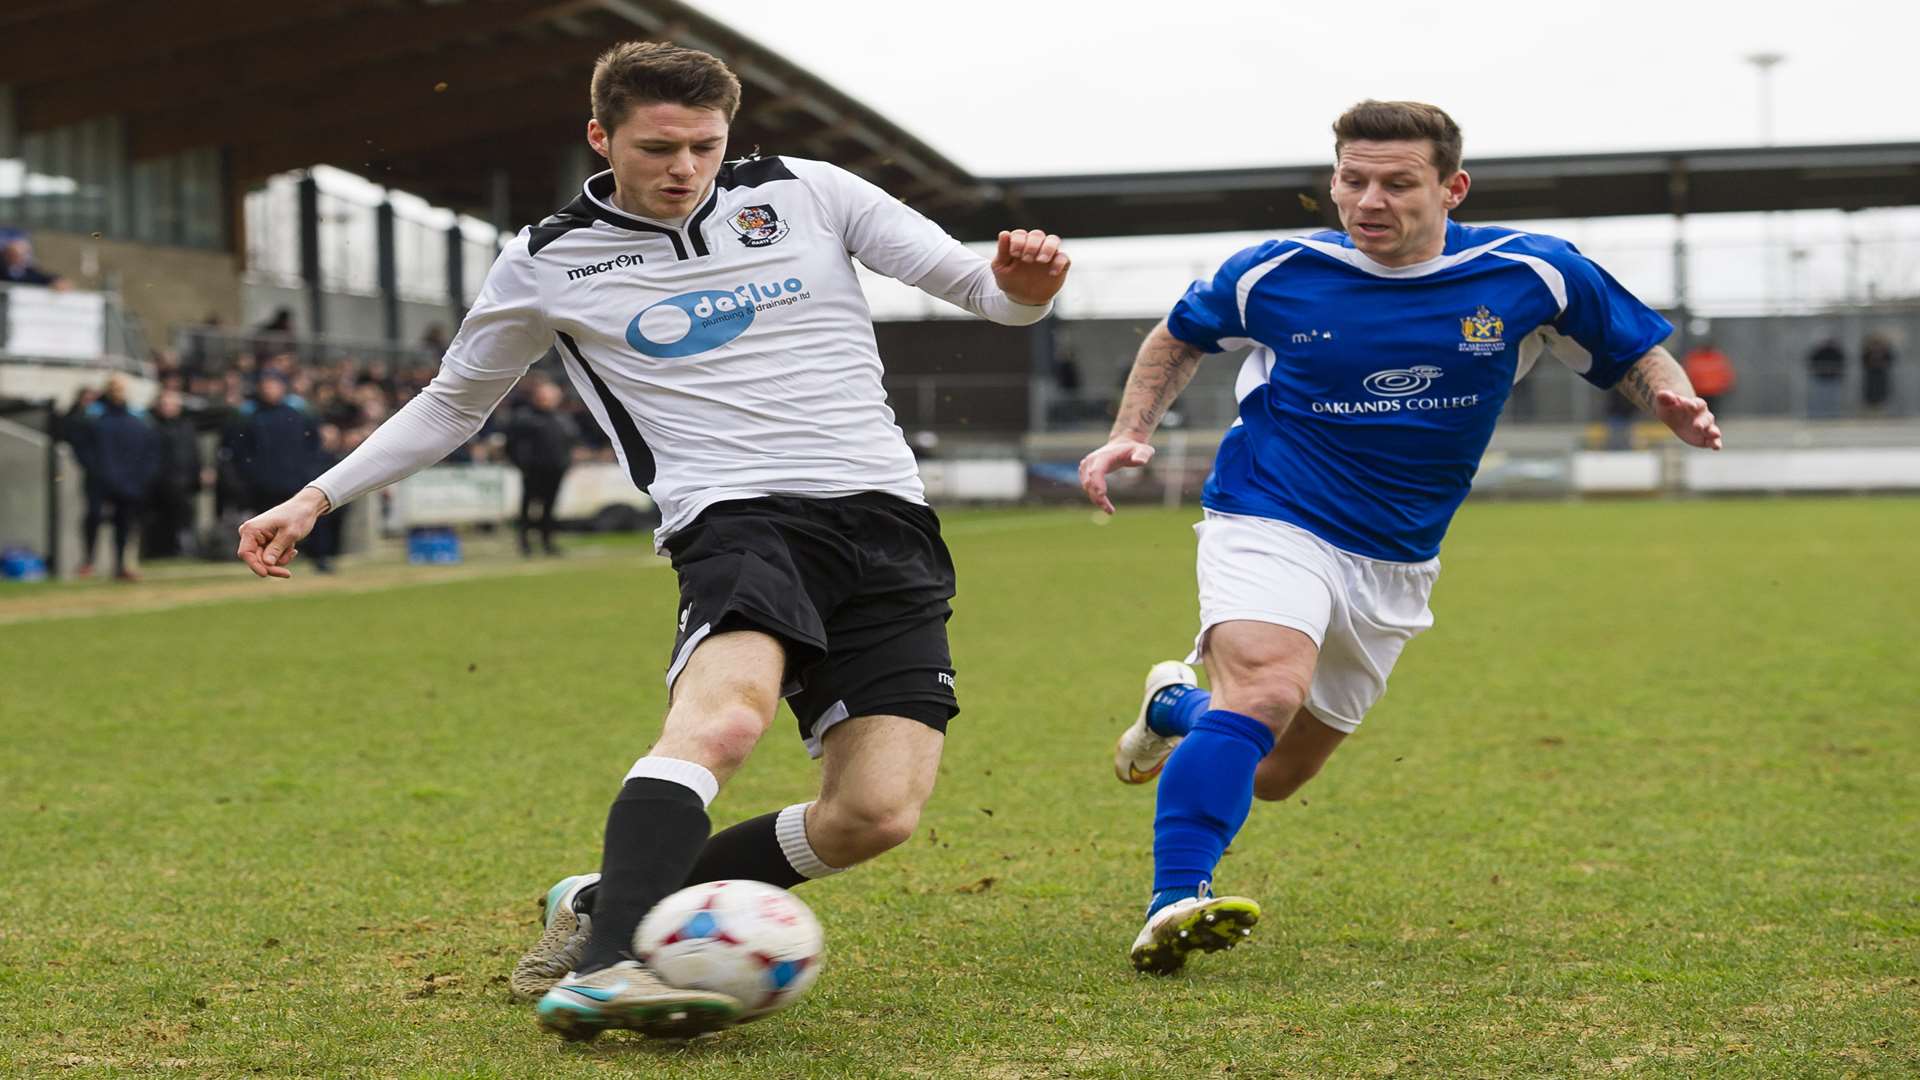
(654, 833)
(748, 850)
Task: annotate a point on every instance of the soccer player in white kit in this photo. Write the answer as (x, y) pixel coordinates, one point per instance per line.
(1382, 356)
(709, 314)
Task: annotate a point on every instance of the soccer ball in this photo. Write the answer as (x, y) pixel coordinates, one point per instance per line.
(747, 939)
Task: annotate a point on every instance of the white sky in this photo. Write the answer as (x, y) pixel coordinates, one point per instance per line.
(1025, 87)
(1035, 87)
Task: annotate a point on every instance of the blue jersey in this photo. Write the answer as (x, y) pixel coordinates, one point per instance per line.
(1372, 391)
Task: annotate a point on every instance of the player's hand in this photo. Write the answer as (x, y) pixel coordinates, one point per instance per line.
(1117, 454)
(1029, 266)
(1689, 418)
(267, 540)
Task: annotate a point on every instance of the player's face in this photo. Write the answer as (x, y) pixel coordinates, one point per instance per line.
(1392, 201)
(664, 157)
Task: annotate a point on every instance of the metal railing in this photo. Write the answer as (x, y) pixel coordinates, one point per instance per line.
(69, 327)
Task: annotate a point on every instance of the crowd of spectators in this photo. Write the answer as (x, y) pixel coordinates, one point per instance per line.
(252, 421)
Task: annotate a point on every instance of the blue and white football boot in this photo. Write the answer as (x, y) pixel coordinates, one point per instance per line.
(563, 939)
(1142, 751)
(627, 995)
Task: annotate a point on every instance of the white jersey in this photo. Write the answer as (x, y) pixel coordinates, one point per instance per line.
(728, 357)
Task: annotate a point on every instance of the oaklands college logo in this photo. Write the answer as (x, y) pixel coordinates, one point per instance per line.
(1481, 333)
(758, 226)
(695, 322)
(1402, 382)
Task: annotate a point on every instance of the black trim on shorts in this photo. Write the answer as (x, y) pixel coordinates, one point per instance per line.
(856, 588)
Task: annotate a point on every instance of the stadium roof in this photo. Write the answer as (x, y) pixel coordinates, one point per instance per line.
(436, 97)
(448, 98)
(1848, 177)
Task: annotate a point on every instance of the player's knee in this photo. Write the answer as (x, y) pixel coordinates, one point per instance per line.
(1271, 699)
(861, 829)
(728, 734)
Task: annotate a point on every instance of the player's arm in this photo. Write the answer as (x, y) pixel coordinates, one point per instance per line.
(1161, 369)
(1015, 288)
(502, 336)
(1657, 383)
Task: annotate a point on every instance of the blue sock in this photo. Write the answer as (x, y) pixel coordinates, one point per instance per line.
(1205, 793)
(1174, 709)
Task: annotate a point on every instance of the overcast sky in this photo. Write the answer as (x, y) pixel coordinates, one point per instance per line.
(1010, 87)
(1029, 87)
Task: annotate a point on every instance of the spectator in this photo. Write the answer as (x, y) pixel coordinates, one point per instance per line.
(1826, 367)
(1710, 372)
(121, 459)
(434, 342)
(1876, 364)
(179, 476)
(17, 266)
(1621, 415)
(276, 334)
(540, 442)
(274, 446)
(323, 544)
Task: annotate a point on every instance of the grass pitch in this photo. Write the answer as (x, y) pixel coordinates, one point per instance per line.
(1644, 802)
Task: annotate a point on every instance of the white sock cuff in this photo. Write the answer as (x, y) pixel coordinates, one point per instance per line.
(790, 828)
(688, 774)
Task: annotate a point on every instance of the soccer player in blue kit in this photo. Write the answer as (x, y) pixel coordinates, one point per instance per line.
(1382, 356)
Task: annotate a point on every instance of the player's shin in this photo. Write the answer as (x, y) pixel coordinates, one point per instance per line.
(655, 833)
(772, 848)
(1205, 794)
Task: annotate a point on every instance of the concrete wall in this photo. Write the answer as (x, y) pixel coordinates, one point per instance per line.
(164, 287)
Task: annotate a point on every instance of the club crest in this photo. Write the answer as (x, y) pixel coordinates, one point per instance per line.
(758, 226)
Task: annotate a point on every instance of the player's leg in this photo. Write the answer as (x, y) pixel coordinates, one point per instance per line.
(1174, 702)
(1267, 591)
(874, 708)
(1297, 757)
(523, 525)
(723, 701)
(877, 774)
(1261, 673)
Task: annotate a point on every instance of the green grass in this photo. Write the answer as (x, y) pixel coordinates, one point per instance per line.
(1645, 801)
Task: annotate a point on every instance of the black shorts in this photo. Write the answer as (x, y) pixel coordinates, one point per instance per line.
(856, 588)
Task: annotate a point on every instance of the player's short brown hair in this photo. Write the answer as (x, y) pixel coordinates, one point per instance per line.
(1387, 121)
(655, 73)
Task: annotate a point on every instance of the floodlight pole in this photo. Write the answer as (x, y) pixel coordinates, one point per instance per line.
(1764, 62)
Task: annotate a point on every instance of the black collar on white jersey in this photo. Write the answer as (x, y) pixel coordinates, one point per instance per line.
(598, 202)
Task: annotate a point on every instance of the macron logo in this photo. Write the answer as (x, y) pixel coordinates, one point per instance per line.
(616, 263)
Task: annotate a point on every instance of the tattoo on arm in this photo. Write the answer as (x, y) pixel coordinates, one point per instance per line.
(1651, 374)
(1162, 369)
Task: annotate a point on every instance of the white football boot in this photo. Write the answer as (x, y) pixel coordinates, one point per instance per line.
(629, 996)
(1142, 752)
(563, 940)
(1207, 923)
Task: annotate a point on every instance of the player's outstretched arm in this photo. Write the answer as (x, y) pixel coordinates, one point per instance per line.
(1161, 369)
(1657, 384)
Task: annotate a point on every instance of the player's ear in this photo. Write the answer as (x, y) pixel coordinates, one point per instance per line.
(597, 138)
(1457, 187)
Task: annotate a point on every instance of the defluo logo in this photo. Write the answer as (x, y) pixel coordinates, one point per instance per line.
(695, 322)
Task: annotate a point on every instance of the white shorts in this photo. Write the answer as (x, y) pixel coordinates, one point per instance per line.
(1360, 612)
